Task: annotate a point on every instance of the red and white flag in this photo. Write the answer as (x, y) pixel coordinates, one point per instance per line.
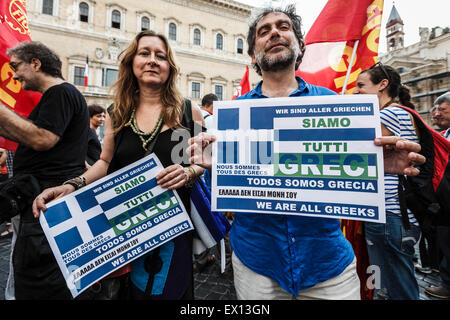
(341, 43)
(244, 85)
(13, 30)
(86, 72)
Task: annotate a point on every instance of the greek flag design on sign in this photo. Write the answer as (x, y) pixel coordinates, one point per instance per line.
(101, 214)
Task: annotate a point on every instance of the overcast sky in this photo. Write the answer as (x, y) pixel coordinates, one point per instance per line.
(414, 13)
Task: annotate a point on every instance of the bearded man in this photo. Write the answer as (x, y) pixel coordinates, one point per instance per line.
(285, 256)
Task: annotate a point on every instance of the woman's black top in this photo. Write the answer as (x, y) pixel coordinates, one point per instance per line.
(177, 252)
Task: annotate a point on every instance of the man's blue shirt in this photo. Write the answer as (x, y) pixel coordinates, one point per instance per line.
(295, 251)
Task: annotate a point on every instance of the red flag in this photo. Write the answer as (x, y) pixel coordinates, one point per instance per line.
(333, 23)
(346, 32)
(244, 86)
(86, 72)
(13, 29)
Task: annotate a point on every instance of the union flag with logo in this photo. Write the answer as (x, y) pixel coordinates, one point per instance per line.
(341, 43)
(13, 30)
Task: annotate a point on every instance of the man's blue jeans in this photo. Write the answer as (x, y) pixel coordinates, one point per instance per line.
(391, 247)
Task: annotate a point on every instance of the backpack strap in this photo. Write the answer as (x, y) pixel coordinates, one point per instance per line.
(405, 184)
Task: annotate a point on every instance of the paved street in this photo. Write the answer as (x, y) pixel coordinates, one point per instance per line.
(209, 285)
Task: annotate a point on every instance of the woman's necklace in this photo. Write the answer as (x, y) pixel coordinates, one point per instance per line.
(151, 135)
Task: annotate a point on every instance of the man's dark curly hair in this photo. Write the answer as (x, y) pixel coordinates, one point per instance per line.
(296, 21)
(27, 51)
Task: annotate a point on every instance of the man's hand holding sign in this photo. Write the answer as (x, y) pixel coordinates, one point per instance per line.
(401, 156)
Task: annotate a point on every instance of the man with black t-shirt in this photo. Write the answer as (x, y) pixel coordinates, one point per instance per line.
(52, 149)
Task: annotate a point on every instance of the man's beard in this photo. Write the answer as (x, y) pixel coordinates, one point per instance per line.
(30, 85)
(277, 62)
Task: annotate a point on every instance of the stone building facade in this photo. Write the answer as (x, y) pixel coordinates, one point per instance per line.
(424, 66)
(207, 36)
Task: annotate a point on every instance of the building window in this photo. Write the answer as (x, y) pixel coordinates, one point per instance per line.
(109, 77)
(218, 90)
(219, 41)
(115, 19)
(196, 90)
(47, 7)
(240, 46)
(145, 23)
(84, 12)
(197, 37)
(392, 43)
(172, 31)
(78, 78)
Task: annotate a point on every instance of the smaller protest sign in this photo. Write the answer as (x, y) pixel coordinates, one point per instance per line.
(111, 222)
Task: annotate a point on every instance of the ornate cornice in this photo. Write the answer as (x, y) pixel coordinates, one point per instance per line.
(230, 9)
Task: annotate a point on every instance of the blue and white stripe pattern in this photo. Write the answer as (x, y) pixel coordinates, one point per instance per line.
(399, 123)
(210, 226)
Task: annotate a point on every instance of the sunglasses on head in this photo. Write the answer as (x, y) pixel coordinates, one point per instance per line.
(383, 69)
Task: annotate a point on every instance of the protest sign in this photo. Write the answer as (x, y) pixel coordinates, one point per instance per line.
(112, 221)
(311, 156)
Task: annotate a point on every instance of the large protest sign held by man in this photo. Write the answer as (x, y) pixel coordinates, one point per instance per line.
(100, 228)
(310, 156)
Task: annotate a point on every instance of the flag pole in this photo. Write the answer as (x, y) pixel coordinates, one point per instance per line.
(347, 76)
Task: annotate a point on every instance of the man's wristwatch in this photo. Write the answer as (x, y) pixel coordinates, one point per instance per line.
(77, 182)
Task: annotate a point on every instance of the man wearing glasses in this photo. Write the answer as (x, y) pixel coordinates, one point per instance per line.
(442, 113)
(52, 149)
